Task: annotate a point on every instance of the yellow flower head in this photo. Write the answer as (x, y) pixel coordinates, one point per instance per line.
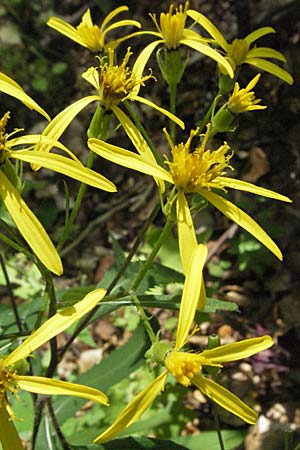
(198, 169)
(92, 36)
(243, 100)
(13, 369)
(240, 51)
(114, 83)
(184, 366)
(172, 25)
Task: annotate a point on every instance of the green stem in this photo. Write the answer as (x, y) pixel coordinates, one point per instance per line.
(11, 294)
(143, 132)
(114, 282)
(209, 113)
(143, 317)
(173, 92)
(142, 272)
(218, 428)
(76, 206)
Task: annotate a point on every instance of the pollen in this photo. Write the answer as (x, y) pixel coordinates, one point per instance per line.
(172, 25)
(116, 82)
(183, 366)
(194, 170)
(8, 383)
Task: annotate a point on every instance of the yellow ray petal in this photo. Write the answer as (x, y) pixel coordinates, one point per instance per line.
(209, 27)
(123, 23)
(66, 29)
(186, 234)
(138, 141)
(202, 296)
(113, 14)
(142, 59)
(128, 159)
(66, 166)
(271, 68)
(29, 226)
(225, 398)
(191, 294)
(211, 53)
(30, 139)
(60, 122)
(158, 108)
(257, 34)
(265, 52)
(242, 219)
(55, 325)
(9, 438)
(10, 87)
(48, 386)
(233, 183)
(135, 409)
(238, 350)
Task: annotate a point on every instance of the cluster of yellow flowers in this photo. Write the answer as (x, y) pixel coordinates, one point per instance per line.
(193, 168)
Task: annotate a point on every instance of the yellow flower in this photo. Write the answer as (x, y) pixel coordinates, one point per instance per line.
(10, 87)
(200, 171)
(114, 84)
(243, 100)
(172, 33)
(12, 369)
(187, 367)
(240, 51)
(26, 222)
(91, 36)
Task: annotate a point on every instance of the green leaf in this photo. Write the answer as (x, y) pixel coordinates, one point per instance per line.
(141, 443)
(208, 440)
(118, 365)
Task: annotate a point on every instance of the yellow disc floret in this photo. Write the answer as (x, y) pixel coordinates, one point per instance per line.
(237, 52)
(8, 383)
(115, 83)
(198, 169)
(172, 25)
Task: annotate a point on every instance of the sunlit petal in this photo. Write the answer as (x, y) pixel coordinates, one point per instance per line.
(234, 183)
(66, 29)
(49, 386)
(242, 219)
(55, 325)
(60, 122)
(123, 23)
(113, 14)
(135, 409)
(185, 228)
(10, 87)
(257, 34)
(271, 68)
(142, 59)
(191, 294)
(209, 27)
(128, 159)
(9, 438)
(225, 398)
(138, 141)
(265, 52)
(66, 166)
(158, 108)
(211, 53)
(238, 350)
(29, 226)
